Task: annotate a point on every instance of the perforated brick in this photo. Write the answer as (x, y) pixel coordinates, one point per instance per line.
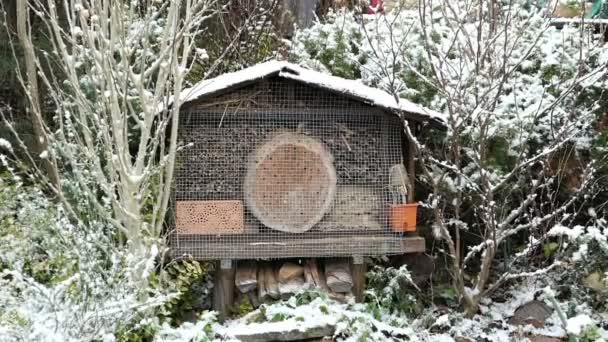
(209, 217)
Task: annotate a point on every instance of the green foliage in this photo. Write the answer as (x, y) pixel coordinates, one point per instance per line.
(589, 334)
(306, 297)
(499, 156)
(138, 334)
(550, 248)
(183, 277)
(259, 316)
(447, 293)
(278, 317)
(23, 215)
(245, 33)
(389, 292)
(335, 45)
(243, 307)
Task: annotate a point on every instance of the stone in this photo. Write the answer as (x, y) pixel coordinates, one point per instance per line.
(246, 276)
(290, 334)
(338, 275)
(543, 338)
(270, 282)
(595, 282)
(534, 312)
(291, 286)
(290, 271)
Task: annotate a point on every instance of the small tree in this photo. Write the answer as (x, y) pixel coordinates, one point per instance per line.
(498, 171)
(116, 80)
(520, 99)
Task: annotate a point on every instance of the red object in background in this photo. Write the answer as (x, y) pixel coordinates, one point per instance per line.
(375, 6)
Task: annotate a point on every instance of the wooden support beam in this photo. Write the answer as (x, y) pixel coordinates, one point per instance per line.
(246, 276)
(223, 291)
(411, 165)
(358, 270)
(302, 246)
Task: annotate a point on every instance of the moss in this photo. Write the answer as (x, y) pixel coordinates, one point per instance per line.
(279, 317)
(259, 316)
(243, 307)
(306, 297)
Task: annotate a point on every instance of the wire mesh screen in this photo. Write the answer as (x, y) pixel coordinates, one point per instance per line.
(279, 169)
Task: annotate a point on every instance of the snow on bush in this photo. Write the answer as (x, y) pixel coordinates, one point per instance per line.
(62, 280)
(389, 52)
(521, 98)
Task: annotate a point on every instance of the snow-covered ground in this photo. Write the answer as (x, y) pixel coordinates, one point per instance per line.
(313, 315)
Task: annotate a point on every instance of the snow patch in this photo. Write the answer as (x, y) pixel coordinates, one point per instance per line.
(6, 145)
(577, 324)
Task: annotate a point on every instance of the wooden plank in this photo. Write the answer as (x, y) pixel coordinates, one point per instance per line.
(262, 292)
(261, 248)
(246, 276)
(314, 276)
(411, 166)
(358, 274)
(270, 282)
(223, 291)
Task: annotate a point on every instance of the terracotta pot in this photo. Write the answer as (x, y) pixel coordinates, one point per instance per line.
(403, 217)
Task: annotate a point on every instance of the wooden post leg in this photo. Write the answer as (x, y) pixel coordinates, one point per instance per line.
(358, 272)
(223, 291)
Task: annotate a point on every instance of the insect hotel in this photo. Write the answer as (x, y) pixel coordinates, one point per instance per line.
(281, 162)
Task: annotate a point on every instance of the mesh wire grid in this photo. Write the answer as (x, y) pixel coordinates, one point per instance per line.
(272, 147)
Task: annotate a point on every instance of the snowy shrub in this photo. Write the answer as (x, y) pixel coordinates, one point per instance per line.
(521, 98)
(391, 291)
(65, 281)
(586, 249)
(332, 46)
(200, 331)
(244, 33)
(192, 280)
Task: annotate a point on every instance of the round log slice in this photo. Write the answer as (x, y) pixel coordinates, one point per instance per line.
(290, 182)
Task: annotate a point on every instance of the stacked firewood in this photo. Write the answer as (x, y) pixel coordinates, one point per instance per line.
(266, 281)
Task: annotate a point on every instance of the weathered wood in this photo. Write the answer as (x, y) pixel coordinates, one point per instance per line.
(295, 167)
(313, 276)
(253, 299)
(270, 282)
(223, 291)
(354, 208)
(291, 279)
(246, 276)
(359, 268)
(284, 332)
(411, 165)
(301, 246)
(288, 271)
(262, 292)
(338, 275)
(308, 278)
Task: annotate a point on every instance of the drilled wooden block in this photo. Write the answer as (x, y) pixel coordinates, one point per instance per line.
(209, 217)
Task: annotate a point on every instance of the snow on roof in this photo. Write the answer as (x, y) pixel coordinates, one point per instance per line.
(351, 88)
